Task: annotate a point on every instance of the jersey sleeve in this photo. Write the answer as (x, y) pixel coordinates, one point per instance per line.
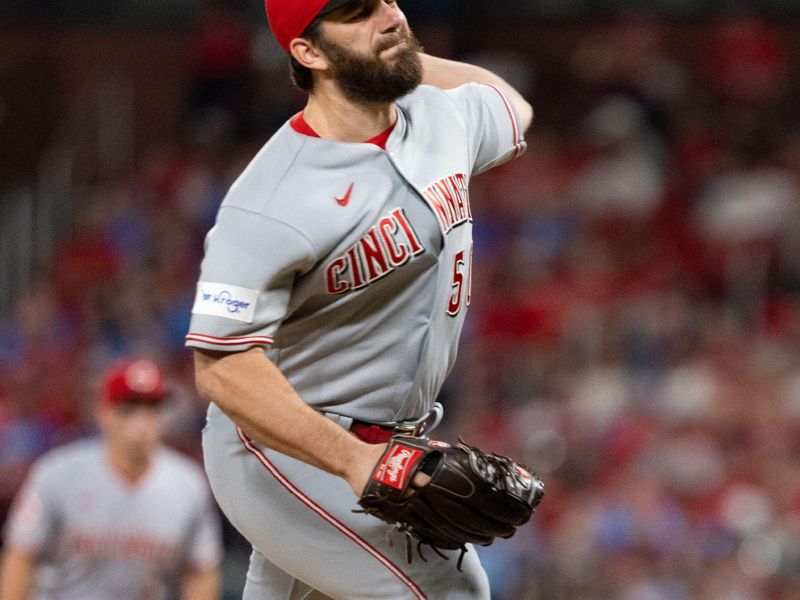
(204, 543)
(32, 522)
(246, 278)
(493, 127)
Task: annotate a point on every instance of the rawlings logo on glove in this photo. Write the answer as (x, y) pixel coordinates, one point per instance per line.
(472, 497)
(395, 466)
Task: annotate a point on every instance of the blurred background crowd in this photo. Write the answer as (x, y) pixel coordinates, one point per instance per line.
(634, 333)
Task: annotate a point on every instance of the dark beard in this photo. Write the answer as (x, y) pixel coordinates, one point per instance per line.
(369, 78)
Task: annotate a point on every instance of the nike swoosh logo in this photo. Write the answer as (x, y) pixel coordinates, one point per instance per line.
(346, 198)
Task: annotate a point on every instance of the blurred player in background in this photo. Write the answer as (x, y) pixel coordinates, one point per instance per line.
(120, 517)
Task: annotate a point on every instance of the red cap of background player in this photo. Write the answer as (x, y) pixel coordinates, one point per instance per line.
(134, 381)
(288, 19)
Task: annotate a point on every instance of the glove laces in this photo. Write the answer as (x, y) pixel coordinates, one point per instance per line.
(408, 539)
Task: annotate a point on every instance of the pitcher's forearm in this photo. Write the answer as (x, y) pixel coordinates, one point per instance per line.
(251, 390)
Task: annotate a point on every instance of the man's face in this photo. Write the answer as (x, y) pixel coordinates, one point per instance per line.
(133, 429)
(373, 55)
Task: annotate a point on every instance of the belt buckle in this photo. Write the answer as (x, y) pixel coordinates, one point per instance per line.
(419, 427)
(407, 429)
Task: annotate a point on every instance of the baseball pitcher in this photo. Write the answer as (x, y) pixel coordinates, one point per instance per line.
(331, 297)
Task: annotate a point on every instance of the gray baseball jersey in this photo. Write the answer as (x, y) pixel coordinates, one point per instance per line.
(350, 264)
(99, 537)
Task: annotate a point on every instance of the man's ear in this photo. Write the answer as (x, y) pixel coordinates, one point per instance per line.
(307, 54)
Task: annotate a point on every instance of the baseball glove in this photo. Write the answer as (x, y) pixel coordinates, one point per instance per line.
(472, 497)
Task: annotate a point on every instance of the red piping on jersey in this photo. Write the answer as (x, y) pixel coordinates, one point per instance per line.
(259, 340)
(514, 125)
(330, 518)
(299, 124)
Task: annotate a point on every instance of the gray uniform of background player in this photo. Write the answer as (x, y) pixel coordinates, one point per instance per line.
(365, 334)
(99, 537)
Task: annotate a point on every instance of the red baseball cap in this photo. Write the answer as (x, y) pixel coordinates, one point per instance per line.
(288, 19)
(139, 380)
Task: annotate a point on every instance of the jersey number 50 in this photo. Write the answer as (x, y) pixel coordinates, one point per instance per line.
(461, 268)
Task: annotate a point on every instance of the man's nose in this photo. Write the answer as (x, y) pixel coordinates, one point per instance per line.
(390, 16)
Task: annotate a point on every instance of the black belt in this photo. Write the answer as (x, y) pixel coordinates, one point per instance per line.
(380, 432)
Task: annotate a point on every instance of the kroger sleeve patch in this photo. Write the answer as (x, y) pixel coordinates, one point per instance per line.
(493, 129)
(248, 272)
(227, 301)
